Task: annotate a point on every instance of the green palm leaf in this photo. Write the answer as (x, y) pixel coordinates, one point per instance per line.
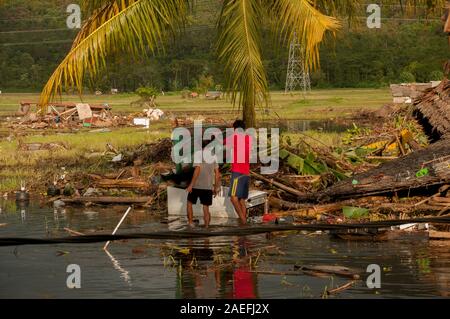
(300, 19)
(141, 25)
(101, 12)
(238, 48)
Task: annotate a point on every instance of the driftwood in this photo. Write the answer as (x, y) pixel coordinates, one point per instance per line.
(288, 189)
(318, 271)
(330, 270)
(108, 200)
(341, 288)
(73, 232)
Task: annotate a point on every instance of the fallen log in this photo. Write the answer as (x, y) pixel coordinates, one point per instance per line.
(396, 175)
(288, 189)
(121, 183)
(108, 200)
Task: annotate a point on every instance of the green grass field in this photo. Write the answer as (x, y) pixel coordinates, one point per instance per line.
(319, 104)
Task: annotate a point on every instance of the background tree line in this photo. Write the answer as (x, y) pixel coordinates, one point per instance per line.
(34, 38)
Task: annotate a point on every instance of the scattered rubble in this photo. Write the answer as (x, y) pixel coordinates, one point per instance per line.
(77, 115)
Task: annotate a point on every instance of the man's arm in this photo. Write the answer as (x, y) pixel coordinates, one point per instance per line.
(194, 179)
(217, 183)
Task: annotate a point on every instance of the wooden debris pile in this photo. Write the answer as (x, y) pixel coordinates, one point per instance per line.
(66, 115)
(397, 136)
(135, 181)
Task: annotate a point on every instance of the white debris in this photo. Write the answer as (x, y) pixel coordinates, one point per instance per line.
(154, 114)
(58, 203)
(117, 158)
(142, 121)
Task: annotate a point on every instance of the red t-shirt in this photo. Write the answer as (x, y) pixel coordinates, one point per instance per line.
(241, 146)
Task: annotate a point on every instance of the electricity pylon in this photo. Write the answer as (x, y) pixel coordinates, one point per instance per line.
(297, 72)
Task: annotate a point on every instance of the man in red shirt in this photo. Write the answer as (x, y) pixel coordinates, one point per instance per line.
(241, 145)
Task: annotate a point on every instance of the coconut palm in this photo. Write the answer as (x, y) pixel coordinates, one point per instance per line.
(136, 26)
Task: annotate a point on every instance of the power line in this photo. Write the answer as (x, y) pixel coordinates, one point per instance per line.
(36, 18)
(36, 30)
(35, 43)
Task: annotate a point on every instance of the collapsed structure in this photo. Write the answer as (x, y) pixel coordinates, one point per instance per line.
(432, 110)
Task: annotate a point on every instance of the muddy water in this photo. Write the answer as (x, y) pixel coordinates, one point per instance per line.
(214, 268)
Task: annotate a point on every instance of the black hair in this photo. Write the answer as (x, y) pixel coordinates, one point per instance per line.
(239, 124)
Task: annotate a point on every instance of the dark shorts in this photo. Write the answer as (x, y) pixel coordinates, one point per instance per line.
(205, 195)
(239, 185)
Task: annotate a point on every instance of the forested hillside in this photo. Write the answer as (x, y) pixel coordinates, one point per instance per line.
(34, 38)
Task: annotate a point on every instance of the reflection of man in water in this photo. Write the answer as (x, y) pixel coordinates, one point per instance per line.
(198, 279)
(244, 281)
(208, 280)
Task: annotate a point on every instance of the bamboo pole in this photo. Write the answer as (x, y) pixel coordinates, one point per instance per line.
(118, 225)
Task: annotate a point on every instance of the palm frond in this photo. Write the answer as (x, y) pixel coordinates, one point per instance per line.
(339, 8)
(140, 26)
(238, 48)
(301, 20)
(102, 11)
(90, 6)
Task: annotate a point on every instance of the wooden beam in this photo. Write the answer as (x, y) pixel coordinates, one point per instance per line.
(108, 200)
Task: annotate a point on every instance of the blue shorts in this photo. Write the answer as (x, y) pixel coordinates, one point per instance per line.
(239, 185)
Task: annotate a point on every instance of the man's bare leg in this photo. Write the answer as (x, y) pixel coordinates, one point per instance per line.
(206, 215)
(243, 210)
(238, 207)
(190, 213)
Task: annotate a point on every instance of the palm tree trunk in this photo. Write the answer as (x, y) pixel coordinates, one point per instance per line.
(249, 115)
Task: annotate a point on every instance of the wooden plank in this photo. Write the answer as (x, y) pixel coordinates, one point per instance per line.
(434, 234)
(121, 183)
(441, 199)
(108, 200)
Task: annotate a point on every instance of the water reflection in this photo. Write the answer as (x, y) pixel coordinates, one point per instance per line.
(216, 275)
(124, 274)
(222, 267)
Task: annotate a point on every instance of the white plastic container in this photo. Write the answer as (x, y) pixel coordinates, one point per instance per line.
(142, 121)
(220, 208)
